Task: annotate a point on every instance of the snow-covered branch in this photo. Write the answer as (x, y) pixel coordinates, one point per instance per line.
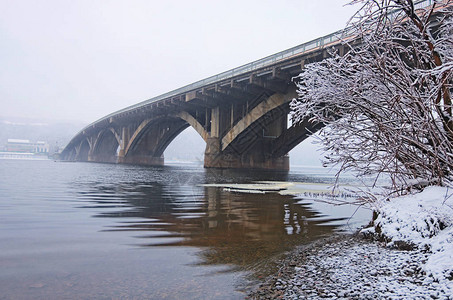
(387, 102)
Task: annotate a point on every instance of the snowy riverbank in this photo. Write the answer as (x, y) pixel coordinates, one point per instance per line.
(356, 268)
(423, 221)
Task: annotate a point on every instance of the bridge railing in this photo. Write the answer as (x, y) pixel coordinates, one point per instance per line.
(258, 64)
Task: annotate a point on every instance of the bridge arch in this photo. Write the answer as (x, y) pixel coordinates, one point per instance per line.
(293, 136)
(71, 154)
(105, 147)
(150, 139)
(137, 135)
(274, 107)
(177, 126)
(83, 150)
(194, 123)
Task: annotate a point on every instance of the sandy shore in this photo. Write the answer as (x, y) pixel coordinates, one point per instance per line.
(351, 267)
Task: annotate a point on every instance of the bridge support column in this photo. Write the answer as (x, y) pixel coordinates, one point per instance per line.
(125, 137)
(257, 158)
(102, 157)
(254, 151)
(148, 142)
(142, 160)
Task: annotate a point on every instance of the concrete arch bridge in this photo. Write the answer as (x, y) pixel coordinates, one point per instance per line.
(241, 114)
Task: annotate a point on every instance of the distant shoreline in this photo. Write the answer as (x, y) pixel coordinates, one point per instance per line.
(23, 156)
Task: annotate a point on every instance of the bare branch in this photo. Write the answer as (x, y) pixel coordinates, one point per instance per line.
(387, 103)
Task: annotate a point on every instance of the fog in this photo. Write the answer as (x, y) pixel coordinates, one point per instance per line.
(81, 60)
(65, 64)
(189, 146)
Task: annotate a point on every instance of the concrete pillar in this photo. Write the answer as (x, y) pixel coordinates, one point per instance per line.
(215, 122)
(144, 151)
(125, 137)
(258, 156)
(212, 153)
(251, 160)
(142, 159)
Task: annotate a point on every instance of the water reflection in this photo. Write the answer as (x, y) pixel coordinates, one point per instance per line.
(103, 231)
(241, 230)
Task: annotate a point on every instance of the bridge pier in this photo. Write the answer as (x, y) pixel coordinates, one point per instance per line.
(141, 160)
(149, 140)
(256, 161)
(253, 150)
(246, 138)
(104, 158)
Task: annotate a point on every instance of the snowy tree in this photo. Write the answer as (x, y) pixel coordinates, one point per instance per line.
(386, 103)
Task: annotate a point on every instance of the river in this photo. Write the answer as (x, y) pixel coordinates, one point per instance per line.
(87, 230)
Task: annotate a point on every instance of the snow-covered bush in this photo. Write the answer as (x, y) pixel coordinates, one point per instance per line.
(424, 221)
(386, 103)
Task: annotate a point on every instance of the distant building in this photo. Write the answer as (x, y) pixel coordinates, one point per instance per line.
(41, 147)
(25, 146)
(14, 145)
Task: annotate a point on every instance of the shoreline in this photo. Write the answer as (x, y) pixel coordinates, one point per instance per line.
(350, 266)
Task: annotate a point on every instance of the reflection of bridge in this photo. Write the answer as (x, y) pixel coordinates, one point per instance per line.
(229, 227)
(241, 114)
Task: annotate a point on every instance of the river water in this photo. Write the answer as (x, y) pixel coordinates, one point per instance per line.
(86, 230)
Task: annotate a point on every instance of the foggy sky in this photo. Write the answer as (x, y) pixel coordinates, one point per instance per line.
(80, 60)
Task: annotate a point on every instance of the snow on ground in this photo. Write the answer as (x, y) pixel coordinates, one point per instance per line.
(348, 267)
(424, 220)
(363, 271)
(357, 268)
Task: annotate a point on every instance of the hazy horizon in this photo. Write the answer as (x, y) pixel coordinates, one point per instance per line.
(186, 146)
(82, 60)
(74, 62)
